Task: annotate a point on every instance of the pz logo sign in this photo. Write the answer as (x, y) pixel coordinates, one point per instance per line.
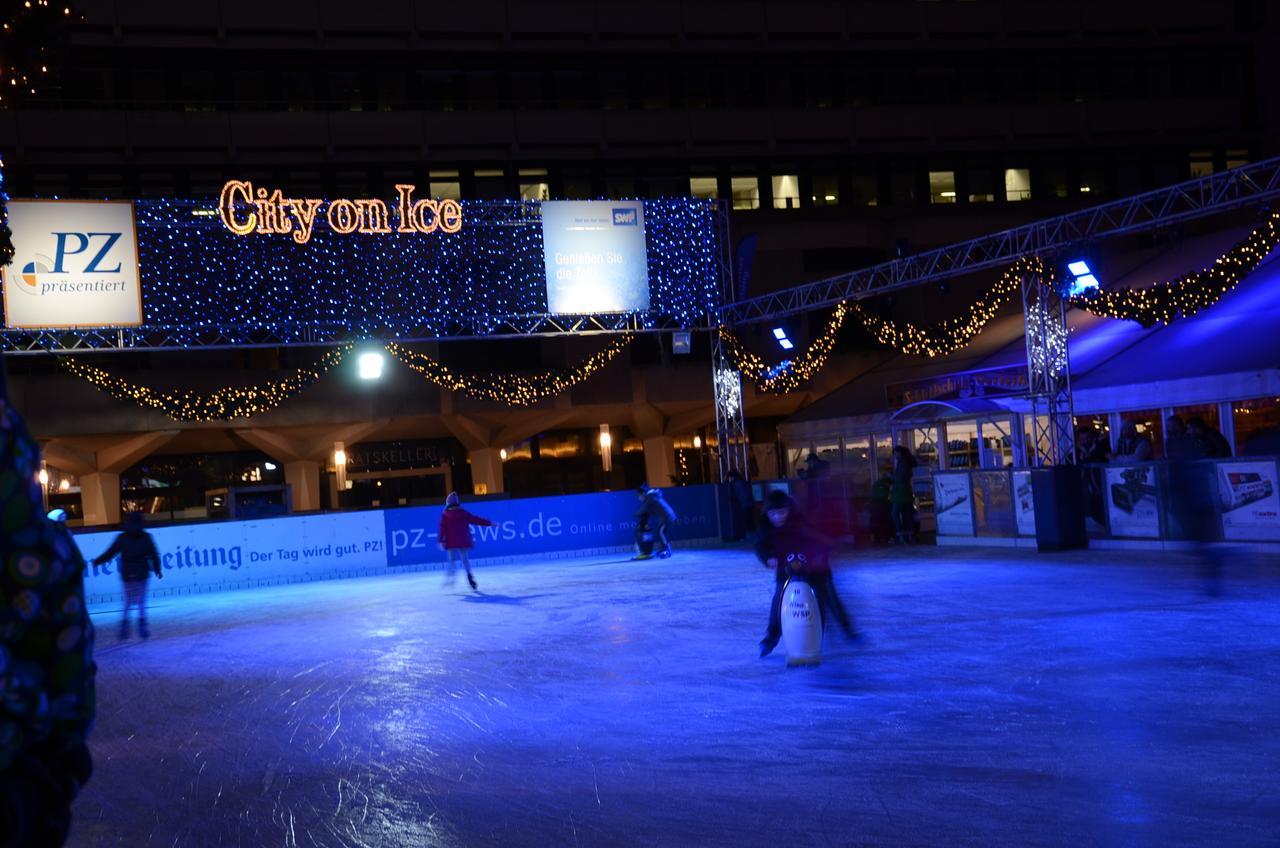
(625, 218)
(93, 246)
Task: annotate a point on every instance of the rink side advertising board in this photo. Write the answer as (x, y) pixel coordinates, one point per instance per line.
(75, 264)
(209, 556)
(548, 525)
(595, 256)
(952, 503)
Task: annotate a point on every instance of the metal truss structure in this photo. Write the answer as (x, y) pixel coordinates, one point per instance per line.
(165, 337)
(1048, 372)
(731, 424)
(1253, 183)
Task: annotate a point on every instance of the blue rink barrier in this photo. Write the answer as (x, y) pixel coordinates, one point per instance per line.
(223, 555)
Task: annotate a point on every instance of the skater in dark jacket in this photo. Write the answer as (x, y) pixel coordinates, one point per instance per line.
(46, 650)
(455, 535)
(655, 516)
(784, 535)
(139, 559)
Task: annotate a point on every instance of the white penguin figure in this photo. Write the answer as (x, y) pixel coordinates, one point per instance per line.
(801, 623)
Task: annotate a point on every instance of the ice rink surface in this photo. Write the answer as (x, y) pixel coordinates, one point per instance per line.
(1001, 698)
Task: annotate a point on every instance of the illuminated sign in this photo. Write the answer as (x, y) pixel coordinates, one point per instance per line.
(246, 210)
(595, 256)
(75, 264)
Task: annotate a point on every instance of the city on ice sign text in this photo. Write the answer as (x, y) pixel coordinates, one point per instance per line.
(246, 210)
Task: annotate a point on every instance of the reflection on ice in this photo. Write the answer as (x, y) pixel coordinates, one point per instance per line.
(1000, 698)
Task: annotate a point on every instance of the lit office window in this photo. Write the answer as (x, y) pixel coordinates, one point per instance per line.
(826, 190)
(942, 186)
(786, 191)
(746, 192)
(1237, 158)
(445, 185)
(1201, 163)
(704, 188)
(533, 184)
(1017, 184)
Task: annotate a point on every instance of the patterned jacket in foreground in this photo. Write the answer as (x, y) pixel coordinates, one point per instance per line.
(46, 640)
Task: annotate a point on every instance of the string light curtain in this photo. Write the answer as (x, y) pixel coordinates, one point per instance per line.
(1189, 294)
(509, 389)
(195, 273)
(790, 374)
(221, 405)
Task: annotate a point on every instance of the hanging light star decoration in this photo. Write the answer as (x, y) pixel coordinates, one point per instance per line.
(1191, 293)
(220, 405)
(509, 389)
(26, 36)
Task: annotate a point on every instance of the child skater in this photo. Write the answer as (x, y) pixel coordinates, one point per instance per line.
(455, 535)
(139, 559)
(784, 536)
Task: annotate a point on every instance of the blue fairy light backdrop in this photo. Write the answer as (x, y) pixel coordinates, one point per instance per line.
(196, 273)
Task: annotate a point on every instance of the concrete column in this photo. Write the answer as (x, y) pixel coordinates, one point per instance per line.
(486, 471)
(303, 477)
(100, 497)
(659, 460)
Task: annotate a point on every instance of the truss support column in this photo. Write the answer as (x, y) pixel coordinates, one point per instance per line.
(731, 425)
(1048, 372)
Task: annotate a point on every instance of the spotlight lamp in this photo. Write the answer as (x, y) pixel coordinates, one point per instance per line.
(370, 365)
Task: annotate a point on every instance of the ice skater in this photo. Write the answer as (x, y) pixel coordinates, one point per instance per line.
(455, 536)
(139, 559)
(654, 517)
(785, 537)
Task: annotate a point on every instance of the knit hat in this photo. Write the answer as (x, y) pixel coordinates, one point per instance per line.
(778, 499)
(452, 500)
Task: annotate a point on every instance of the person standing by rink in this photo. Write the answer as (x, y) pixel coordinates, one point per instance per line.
(785, 535)
(742, 505)
(655, 515)
(455, 535)
(138, 560)
(903, 497)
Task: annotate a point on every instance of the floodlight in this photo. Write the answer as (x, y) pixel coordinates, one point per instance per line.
(781, 335)
(370, 365)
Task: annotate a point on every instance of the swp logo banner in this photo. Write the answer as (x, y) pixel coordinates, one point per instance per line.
(546, 525)
(220, 555)
(595, 256)
(75, 264)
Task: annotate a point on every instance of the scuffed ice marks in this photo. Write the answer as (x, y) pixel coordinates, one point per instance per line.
(1000, 699)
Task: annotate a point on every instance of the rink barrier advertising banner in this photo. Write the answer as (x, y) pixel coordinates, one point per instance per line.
(1024, 505)
(220, 555)
(1250, 500)
(1132, 506)
(953, 503)
(547, 525)
(595, 256)
(207, 556)
(75, 264)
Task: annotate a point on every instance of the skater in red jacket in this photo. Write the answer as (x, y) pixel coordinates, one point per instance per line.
(455, 535)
